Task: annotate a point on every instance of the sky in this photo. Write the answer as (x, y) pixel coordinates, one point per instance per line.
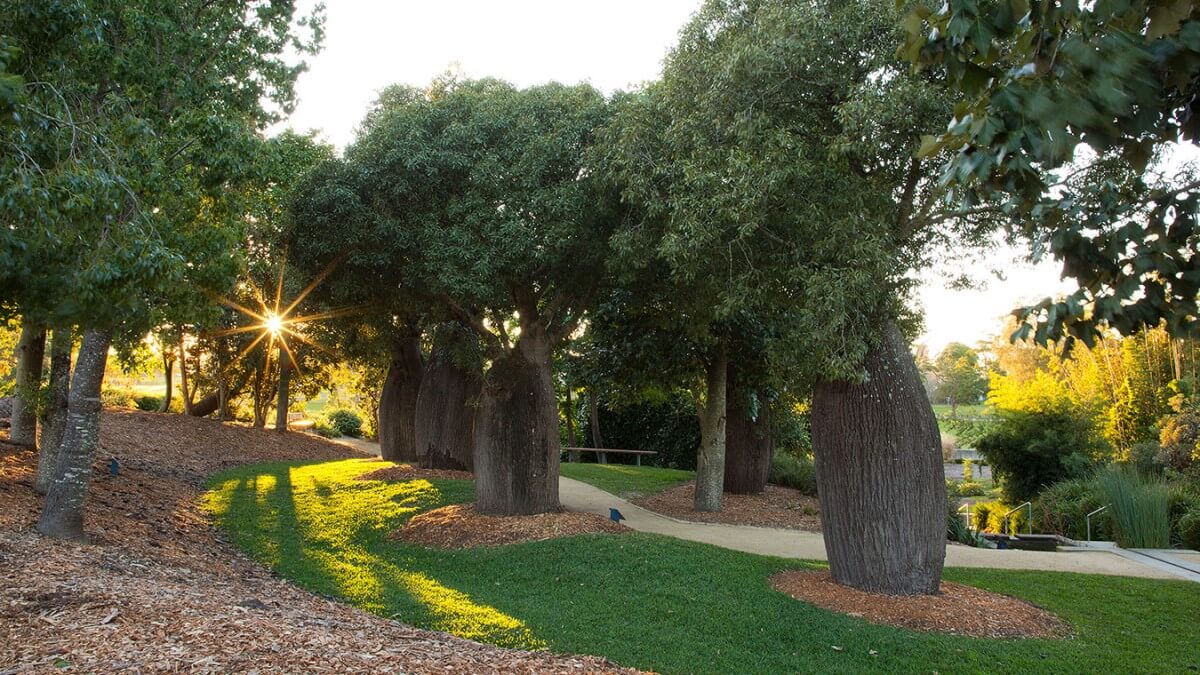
(615, 44)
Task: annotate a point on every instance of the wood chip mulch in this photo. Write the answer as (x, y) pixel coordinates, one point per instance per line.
(403, 472)
(776, 507)
(958, 610)
(459, 526)
(159, 590)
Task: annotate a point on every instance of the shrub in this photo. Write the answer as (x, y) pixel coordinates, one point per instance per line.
(981, 513)
(346, 422)
(669, 427)
(989, 516)
(323, 428)
(1189, 529)
(149, 402)
(1138, 505)
(1030, 450)
(112, 397)
(971, 488)
(1180, 441)
(968, 471)
(795, 472)
(1062, 509)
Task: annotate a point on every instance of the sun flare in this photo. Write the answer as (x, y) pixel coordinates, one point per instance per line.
(274, 324)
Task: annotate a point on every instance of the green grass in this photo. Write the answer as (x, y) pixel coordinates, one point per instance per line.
(653, 602)
(964, 411)
(625, 480)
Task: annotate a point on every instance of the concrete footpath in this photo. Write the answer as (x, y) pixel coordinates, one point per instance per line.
(578, 496)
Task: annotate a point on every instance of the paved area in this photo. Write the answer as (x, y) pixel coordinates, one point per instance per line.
(579, 496)
(954, 471)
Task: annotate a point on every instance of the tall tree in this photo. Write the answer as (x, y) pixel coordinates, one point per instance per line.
(1065, 113)
(960, 379)
(129, 133)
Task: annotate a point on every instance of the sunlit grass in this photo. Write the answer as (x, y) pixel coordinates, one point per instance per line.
(626, 480)
(658, 603)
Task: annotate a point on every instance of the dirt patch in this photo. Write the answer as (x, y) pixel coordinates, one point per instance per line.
(776, 507)
(459, 526)
(403, 472)
(958, 610)
(159, 590)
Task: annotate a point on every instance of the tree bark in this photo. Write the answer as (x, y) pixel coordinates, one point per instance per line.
(445, 415)
(183, 375)
(748, 445)
(594, 423)
(710, 457)
(168, 367)
(281, 403)
(260, 407)
(54, 419)
(398, 400)
(31, 351)
(879, 475)
(212, 403)
(517, 446)
(573, 455)
(62, 511)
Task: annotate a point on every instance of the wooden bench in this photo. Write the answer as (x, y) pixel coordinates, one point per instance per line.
(602, 453)
(296, 421)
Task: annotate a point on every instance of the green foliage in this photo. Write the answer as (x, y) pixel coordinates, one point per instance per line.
(794, 471)
(345, 422)
(959, 377)
(113, 397)
(989, 517)
(324, 429)
(1180, 440)
(148, 402)
(668, 427)
(1138, 505)
(652, 602)
(1189, 529)
(1062, 508)
(1030, 450)
(970, 488)
(624, 480)
(1037, 81)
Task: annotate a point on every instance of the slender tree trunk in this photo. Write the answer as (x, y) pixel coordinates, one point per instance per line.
(281, 404)
(517, 445)
(573, 455)
(31, 351)
(62, 511)
(748, 444)
(445, 415)
(260, 408)
(710, 458)
(879, 475)
(54, 419)
(168, 367)
(398, 400)
(594, 423)
(183, 375)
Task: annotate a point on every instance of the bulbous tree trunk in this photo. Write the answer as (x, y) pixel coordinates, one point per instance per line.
(748, 445)
(710, 457)
(445, 415)
(398, 401)
(879, 475)
(517, 447)
(31, 351)
(54, 419)
(62, 510)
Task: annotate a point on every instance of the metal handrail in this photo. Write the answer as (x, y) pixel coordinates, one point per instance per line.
(1028, 522)
(965, 510)
(1089, 520)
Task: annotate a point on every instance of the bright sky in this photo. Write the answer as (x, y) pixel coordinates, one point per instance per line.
(613, 45)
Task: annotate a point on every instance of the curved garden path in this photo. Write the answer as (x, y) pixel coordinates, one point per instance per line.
(578, 496)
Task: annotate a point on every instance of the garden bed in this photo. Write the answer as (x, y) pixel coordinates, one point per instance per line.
(957, 610)
(776, 507)
(459, 526)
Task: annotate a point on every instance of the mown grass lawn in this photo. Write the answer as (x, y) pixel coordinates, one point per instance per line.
(626, 480)
(653, 602)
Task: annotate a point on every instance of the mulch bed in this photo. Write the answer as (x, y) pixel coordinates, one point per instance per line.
(459, 526)
(157, 589)
(403, 472)
(958, 610)
(776, 507)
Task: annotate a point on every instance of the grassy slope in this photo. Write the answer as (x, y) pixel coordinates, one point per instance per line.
(654, 602)
(625, 480)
